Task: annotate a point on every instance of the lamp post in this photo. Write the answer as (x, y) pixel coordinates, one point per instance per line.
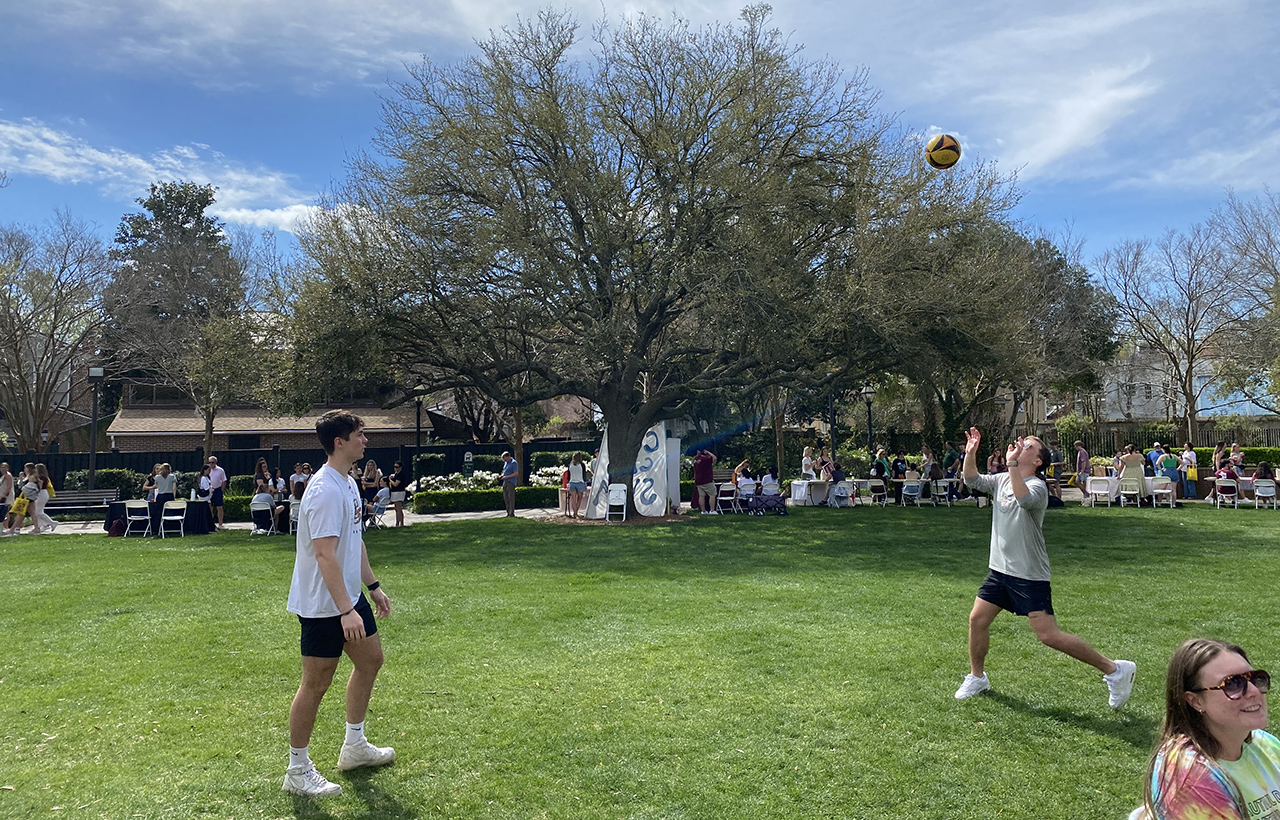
(831, 414)
(869, 394)
(417, 443)
(95, 378)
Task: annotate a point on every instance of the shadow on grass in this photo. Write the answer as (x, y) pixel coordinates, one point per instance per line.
(380, 803)
(1128, 727)
(944, 542)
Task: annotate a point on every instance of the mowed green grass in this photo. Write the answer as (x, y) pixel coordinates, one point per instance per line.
(730, 667)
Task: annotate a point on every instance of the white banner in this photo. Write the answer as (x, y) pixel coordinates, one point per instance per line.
(673, 473)
(598, 499)
(650, 480)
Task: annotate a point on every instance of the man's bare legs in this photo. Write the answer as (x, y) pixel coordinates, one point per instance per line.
(1046, 629)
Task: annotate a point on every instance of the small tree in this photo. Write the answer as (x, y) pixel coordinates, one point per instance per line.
(51, 284)
(1183, 297)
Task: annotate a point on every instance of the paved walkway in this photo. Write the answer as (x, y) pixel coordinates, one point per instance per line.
(95, 527)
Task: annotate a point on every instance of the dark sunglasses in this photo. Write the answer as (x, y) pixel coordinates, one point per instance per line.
(1234, 686)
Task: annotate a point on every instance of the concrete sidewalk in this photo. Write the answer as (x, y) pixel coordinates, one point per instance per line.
(95, 527)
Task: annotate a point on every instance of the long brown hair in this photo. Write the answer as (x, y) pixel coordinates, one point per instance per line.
(1181, 722)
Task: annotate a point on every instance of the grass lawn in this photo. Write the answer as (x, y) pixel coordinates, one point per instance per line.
(730, 667)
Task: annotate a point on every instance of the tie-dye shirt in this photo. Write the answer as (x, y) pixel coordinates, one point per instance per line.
(1189, 786)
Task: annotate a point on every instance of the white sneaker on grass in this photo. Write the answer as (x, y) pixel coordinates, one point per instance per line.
(1120, 683)
(308, 782)
(973, 685)
(364, 753)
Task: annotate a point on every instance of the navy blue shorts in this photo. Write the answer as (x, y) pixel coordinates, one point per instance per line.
(322, 637)
(1018, 595)
(216, 497)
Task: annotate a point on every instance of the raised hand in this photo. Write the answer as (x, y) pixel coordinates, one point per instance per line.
(1014, 451)
(972, 440)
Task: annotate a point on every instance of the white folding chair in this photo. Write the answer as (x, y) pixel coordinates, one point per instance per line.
(940, 492)
(1225, 490)
(263, 513)
(379, 510)
(1131, 488)
(727, 498)
(1264, 493)
(1097, 489)
(840, 494)
(617, 502)
(876, 490)
(174, 512)
(911, 492)
(1162, 488)
(137, 512)
(295, 507)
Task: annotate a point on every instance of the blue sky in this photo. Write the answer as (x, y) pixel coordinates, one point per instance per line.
(1121, 119)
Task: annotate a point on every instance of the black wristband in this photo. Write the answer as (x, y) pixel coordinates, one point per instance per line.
(374, 585)
(348, 612)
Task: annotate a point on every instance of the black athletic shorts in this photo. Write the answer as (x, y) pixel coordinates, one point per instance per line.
(1018, 595)
(322, 637)
(215, 497)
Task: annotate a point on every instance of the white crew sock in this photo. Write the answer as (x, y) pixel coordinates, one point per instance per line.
(355, 732)
(299, 757)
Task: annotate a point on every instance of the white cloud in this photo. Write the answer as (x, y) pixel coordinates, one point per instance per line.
(235, 43)
(246, 195)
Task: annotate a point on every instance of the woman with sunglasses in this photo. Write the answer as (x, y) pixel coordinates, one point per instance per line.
(1213, 759)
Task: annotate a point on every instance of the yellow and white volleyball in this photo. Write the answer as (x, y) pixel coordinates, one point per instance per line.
(942, 151)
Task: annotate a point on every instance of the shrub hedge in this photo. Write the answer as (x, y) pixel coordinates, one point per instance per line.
(240, 485)
(550, 458)
(430, 464)
(128, 482)
(479, 500)
(487, 462)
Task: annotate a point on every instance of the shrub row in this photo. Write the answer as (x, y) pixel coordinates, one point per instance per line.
(549, 458)
(479, 500)
(430, 464)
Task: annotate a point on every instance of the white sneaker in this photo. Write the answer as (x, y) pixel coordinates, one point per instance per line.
(364, 753)
(306, 781)
(1120, 683)
(972, 685)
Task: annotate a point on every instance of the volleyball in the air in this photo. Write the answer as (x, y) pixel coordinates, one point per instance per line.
(942, 151)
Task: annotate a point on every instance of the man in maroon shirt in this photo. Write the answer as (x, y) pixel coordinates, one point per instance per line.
(704, 487)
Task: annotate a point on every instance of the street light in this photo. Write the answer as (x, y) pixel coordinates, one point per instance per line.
(96, 377)
(868, 395)
(417, 442)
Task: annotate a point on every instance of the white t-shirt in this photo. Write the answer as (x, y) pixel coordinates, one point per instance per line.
(746, 486)
(768, 484)
(806, 467)
(382, 496)
(331, 507)
(295, 478)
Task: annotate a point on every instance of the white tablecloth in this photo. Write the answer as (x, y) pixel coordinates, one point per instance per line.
(809, 492)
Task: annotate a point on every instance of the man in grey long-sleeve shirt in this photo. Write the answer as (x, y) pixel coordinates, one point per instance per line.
(1019, 568)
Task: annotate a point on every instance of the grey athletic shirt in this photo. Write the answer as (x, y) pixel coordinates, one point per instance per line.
(1017, 526)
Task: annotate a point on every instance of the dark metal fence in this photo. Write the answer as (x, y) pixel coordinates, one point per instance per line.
(241, 462)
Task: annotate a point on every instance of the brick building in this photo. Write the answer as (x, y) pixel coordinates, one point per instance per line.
(165, 429)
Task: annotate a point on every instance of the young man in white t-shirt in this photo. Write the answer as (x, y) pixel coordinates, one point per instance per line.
(331, 565)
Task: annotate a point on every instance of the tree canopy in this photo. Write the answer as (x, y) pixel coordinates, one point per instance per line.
(692, 212)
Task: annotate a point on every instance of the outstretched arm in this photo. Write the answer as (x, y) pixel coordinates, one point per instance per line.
(972, 439)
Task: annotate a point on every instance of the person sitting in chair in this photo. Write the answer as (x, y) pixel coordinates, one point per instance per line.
(279, 512)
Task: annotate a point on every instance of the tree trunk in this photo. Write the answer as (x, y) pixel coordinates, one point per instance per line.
(625, 435)
(208, 414)
(779, 451)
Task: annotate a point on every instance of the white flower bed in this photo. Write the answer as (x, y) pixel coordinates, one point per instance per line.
(481, 480)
